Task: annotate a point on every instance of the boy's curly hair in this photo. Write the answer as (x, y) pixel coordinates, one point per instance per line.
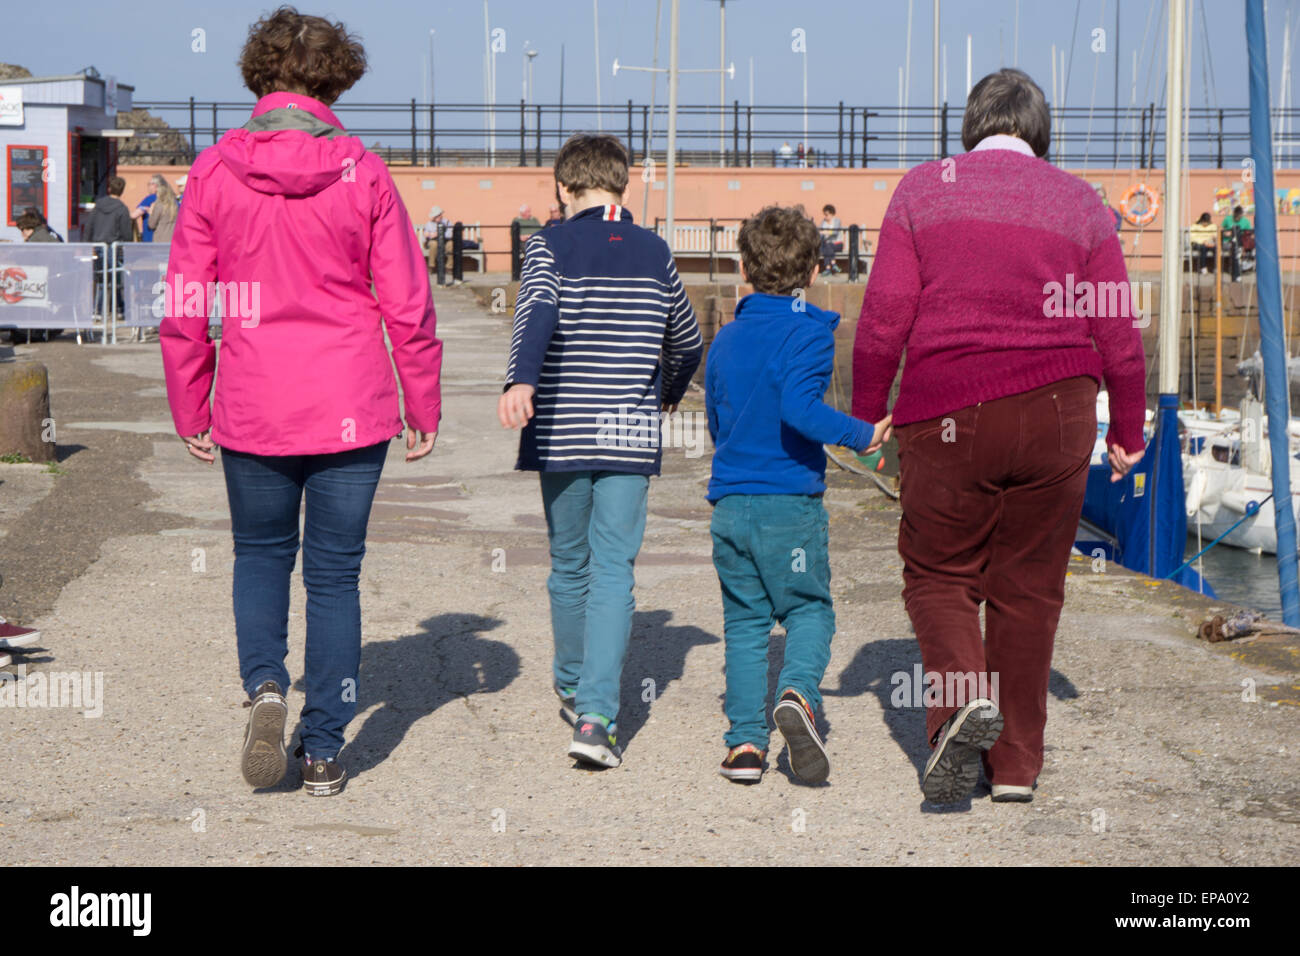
(779, 246)
(297, 53)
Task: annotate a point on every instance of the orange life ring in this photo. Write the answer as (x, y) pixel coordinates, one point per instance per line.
(1139, 212)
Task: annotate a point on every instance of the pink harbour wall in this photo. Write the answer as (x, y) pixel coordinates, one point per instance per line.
(492, 196)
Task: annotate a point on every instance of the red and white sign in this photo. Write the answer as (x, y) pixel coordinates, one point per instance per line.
(23, 282)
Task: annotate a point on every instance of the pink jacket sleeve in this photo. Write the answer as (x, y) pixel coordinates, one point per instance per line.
(401, 278)
(189, 356)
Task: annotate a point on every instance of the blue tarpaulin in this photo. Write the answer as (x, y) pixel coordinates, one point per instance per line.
(1145, 512)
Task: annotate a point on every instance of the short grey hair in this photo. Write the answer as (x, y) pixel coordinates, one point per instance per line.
(1011, 103)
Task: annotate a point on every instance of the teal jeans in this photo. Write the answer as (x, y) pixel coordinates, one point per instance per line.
(772, 558)
(595, 521)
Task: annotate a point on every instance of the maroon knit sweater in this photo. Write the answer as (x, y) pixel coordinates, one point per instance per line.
(999, 273)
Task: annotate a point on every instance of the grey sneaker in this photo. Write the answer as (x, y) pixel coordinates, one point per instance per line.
(594, 743)
(954, 765)
(263, 760)
(568, 704)
(808, 757)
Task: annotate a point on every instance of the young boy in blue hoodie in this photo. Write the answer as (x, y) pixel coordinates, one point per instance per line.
(767, 373)
(604, 340)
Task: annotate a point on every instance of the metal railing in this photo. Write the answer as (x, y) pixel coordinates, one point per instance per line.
(841, 135)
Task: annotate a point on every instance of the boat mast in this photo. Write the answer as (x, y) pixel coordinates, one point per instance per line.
(1268, 278)
(1172, 259)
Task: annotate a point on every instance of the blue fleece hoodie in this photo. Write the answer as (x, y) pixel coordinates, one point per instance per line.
(767, 373)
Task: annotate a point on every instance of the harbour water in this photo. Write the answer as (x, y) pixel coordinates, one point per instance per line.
(1242, 577)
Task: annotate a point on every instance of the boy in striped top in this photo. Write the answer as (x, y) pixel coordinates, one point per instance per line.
(604, 341)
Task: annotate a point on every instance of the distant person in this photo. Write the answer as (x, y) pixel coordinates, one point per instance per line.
(306, 403)
(1233, 226)
(527, 224)
(765, 384)
(786, 153)
(1202, 236)
(109, 222)
(181, 182)
(555, 215)
(800, 157)
(162, 213)
(832, 235)
(996, 420)
(141, 213)
(627, 350)
(430, 229)
(34, 228)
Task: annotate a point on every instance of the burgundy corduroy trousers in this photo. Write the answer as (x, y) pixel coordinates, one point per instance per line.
(991, 498)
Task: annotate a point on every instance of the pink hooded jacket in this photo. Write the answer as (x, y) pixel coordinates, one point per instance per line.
(287, 223)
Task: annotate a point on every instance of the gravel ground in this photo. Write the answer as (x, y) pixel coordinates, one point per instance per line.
(457, 754)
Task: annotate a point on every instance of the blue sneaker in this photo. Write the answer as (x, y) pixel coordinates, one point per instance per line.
(595, 741)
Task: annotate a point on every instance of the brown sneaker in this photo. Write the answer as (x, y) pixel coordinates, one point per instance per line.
(321, 777)
(744, 764)
(264, 760)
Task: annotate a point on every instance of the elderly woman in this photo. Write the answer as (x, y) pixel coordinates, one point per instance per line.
(995, 417)
(293, 220)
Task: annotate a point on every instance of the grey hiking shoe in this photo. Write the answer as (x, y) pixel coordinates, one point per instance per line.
(954, 766)
(263, 761)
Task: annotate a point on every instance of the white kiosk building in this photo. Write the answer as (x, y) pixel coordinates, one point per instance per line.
(58, 144)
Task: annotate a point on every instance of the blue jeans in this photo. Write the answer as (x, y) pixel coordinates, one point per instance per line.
(595, 520)
(265, 494)
(772, 557)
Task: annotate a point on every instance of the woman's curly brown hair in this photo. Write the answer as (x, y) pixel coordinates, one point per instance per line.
(301, 54)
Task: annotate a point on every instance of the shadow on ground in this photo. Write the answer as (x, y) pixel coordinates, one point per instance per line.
(872, 671)
(657, 652)
(410, 677)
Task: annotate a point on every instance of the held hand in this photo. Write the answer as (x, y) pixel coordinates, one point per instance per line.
(426, 440)
(200, 446)
(884, 431)
(1122, 462)
(515, 407)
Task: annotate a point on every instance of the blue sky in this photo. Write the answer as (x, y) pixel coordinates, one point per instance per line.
(855, 48)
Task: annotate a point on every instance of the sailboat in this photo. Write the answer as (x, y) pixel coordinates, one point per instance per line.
(1227, 479)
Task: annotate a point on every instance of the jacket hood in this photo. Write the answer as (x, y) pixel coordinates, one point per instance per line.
(762, 305)
(288, 152)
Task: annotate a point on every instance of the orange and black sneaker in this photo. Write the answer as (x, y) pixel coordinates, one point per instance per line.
(744, 764)
(794, 718)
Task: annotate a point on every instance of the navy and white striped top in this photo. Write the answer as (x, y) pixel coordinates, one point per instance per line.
(605, 333)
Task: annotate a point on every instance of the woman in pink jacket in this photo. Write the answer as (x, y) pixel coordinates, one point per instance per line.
(287, 225)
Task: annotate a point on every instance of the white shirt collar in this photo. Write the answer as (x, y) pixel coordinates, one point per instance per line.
(1003, 141)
